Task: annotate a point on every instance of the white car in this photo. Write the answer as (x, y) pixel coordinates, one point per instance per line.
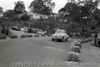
(24, 29)
(15, 28)
(60, 35)
(41, 32)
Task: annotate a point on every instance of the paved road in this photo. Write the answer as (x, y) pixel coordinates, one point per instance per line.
(20, 52)
(32, 50)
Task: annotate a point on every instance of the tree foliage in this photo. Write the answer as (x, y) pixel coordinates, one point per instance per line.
(1, 10)
(85, 13)
(9, 13)
(19, 7)
(42, 6)
(25, 17)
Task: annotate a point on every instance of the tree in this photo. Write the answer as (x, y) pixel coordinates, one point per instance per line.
(69, 10)
(19, 7)
(1, 11)
(42, 6)
(82, 12)
(25, 17)
(9, 13)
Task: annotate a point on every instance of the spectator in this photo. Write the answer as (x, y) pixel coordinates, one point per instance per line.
(95, 39)
(30, 30)
(3, 30)
(7, 31)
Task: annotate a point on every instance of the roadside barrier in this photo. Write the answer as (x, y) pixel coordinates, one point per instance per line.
(2, 37)
(78, 44)
(73, 56)
(23, 36)
(29, 35)
(13, 36)
(76, 49)
(36, 35)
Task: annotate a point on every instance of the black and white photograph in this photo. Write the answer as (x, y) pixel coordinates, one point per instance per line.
(49, 33)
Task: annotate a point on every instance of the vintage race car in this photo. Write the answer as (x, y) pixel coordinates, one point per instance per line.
(60, 35)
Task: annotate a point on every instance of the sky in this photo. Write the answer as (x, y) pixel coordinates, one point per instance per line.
(9, 4)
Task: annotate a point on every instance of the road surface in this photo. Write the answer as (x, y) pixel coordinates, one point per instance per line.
(22, 52)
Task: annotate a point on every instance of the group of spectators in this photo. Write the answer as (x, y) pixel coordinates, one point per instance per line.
(5, 30)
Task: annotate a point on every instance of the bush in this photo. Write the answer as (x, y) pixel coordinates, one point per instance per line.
(2, 37)
(23, 36)
(76, 49)
(73, 56)
(13, 36)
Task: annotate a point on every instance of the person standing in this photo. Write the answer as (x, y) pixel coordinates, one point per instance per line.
(95, 39)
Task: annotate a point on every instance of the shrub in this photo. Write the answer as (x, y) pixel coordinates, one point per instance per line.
(76, 49)
(73, 56)
(13, 36)
(2, 37)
